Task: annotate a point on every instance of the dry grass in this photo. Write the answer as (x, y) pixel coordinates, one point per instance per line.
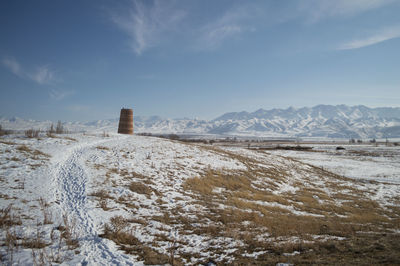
(34, 154)
(274, 213)
(47, 214)
(71, 139)
(15, 159)
(317, 212)
(69, 232)
(24, 148)
(102, 148)
(7, 218)
(102, 194)
(103, 197)
(140, 188)
(249, 206)
(39, 155)
(118, 231)
(3, 141)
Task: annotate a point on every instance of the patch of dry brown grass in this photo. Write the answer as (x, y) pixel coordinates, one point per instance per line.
(71, 139)
(15, 159)
(7, 142)
(246, 206)
(118, 231)
(102, 148)
(24, 148)
(102, 194)
(140, 188)
(317, 210)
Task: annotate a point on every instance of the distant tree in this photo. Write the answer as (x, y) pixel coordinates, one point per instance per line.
(32, 133)
(59, 128)
(373, 141)
(359, 141)
(50, 131)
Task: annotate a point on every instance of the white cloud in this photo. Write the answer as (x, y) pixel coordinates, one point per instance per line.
(213, 34)
(12, 65)
(41, 75)
(319, 9)
(145, 24)
(383, 35)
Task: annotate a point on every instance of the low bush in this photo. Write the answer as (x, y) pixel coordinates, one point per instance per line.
(32, 133)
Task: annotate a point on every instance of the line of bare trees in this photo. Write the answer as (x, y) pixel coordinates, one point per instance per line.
(58, 129)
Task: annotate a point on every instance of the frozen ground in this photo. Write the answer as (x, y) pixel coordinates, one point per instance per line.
(365, 162)
(96, 200)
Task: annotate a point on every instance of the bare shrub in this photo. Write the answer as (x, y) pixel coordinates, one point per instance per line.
(11, 243)
(22, 184)
(103, 204)
(69, 232)
(47, 215)
(32, 133)
(7, 219)
(4, 131)
(118, 224)
(50, 132)
(37, 242)
(40, 257)
(60, 128)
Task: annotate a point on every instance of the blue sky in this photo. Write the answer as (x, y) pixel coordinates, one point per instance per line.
(84, 60)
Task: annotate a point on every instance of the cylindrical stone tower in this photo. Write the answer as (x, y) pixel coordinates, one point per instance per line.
(126, 122)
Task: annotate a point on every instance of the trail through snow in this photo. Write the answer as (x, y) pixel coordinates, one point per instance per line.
(70, 180)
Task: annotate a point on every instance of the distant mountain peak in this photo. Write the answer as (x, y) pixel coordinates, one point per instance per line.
(336, 121)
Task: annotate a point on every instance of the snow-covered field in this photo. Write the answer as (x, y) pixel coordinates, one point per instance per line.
(133, 200)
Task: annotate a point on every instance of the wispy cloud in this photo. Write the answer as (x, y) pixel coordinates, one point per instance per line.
(41, 75)
(58, 94)
(317, 10)
(13, 66)
(230, 24)
(145, 22)
(384, 35)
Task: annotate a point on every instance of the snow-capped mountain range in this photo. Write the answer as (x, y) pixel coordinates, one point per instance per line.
(325, 121)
